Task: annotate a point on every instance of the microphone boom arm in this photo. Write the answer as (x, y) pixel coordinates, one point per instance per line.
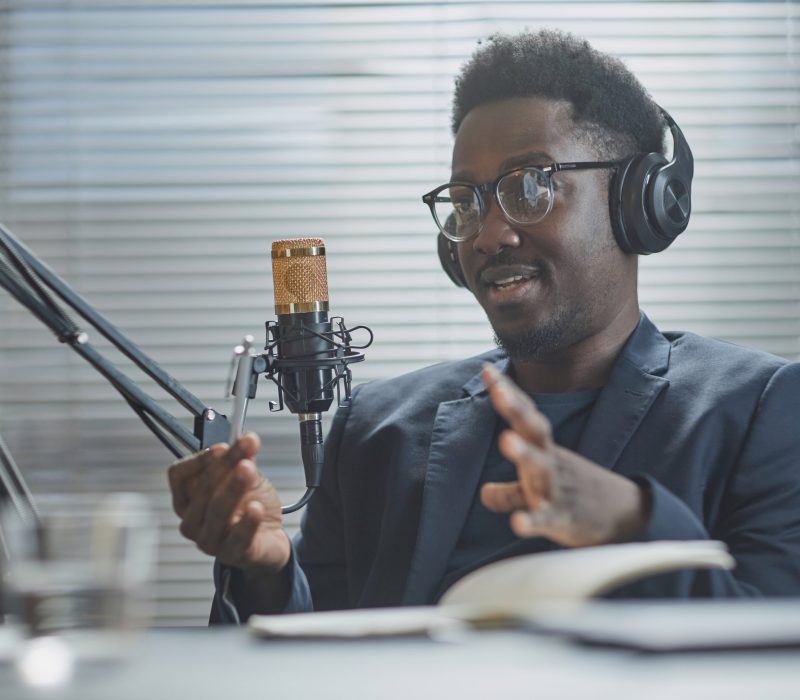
(24, 277)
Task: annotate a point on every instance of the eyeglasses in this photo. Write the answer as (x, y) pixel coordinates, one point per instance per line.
(525, 196)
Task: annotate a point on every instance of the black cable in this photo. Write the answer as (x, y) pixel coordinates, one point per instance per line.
(299, 504)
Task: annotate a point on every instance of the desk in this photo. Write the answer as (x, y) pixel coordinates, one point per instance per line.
(228, 663)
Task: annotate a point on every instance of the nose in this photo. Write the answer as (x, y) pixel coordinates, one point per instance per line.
(496, 233)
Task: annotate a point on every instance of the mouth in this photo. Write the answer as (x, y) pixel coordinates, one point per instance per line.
(509, 283)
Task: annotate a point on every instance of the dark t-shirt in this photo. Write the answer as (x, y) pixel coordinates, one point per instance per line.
(487, 536)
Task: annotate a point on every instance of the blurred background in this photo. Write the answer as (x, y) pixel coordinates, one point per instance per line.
(151, 151)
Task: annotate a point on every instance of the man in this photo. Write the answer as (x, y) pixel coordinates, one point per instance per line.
(587, 426)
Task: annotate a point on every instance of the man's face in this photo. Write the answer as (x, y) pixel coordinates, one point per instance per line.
(575, 277)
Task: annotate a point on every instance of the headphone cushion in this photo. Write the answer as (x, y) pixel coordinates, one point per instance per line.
(448, 257)
(630, 204)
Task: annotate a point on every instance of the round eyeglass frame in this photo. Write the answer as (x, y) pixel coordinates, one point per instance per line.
(431, 198)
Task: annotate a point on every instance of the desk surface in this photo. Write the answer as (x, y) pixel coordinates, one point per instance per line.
(218, 663)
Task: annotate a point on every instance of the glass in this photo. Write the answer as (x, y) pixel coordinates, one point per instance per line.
(525, 196)
(77, 578)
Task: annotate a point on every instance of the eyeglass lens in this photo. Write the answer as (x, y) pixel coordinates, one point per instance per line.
(524, 197)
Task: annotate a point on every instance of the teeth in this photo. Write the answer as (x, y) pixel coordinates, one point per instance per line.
(508, 280)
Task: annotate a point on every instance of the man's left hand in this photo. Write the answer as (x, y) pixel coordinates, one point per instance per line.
(558, 494)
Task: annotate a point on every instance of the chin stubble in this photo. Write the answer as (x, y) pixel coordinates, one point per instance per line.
(552, 335)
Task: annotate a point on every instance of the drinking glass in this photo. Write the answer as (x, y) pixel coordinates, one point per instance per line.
(77, 575)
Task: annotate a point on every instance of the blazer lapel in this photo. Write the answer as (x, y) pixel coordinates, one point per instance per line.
(461, 437)
(632, 388)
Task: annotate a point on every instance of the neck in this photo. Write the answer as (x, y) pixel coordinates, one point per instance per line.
(586, 364)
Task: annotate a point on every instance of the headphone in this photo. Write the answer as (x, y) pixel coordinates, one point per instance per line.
(649, 201)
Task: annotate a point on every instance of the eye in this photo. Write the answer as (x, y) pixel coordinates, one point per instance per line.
(533, 187)
(524, 195)
(463, 206)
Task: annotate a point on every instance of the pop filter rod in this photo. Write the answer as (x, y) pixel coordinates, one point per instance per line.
(25, 277)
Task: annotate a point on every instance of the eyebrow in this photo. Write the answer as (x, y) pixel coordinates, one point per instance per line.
(528, 158)
(516, 161)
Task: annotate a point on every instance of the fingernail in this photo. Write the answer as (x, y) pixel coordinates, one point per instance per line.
(491, 375)
(490, 369)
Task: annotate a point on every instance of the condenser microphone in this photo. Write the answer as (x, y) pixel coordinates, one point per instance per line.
(304, 348)
(307, 353)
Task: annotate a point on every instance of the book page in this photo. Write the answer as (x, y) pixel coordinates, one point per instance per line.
(519, 584)
(505, 591)
(358, 624)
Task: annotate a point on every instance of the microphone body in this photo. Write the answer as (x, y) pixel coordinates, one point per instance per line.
(307, 389)
(303, 342)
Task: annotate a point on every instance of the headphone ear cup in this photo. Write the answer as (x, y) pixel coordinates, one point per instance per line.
(630, 218)
(448, 257)
(669, 200)
(618, 227)
(650, 199)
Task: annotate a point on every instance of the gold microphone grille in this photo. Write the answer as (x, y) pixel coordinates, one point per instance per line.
(299, 275)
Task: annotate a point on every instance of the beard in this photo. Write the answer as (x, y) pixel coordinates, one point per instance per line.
(552, 335)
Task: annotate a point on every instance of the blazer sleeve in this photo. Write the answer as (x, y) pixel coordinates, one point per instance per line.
(319, 580)
(225, 605)
(760, 515)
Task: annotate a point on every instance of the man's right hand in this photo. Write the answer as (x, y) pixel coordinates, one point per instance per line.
(228, 509)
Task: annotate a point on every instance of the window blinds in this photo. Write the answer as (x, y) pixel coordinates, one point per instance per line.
(151, 151)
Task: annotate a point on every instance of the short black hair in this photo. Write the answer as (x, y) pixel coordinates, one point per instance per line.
(609, 105)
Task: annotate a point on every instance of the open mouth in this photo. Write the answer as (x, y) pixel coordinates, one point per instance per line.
(506, 278)
(510, 287)
(507, 282)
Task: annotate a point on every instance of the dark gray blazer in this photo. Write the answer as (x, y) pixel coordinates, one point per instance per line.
(712, 429)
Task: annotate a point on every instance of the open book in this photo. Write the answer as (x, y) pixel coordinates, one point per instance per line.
(507, 590)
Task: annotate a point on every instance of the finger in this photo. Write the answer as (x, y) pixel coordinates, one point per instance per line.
(503, 498)
(183, 476)
(245, 542)
(238, 547)
(534, 466)
(517, 407)
(224, 508)
(222, 460)
(211, 469)
(246, 447)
